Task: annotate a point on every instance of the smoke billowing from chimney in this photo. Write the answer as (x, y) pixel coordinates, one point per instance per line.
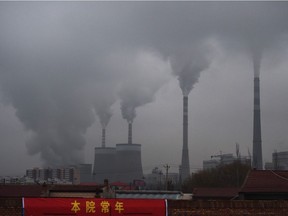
(188, 64)
(257, 55)
(147, 72)
(128, 111)
(49, 52)
(104, 112)
(256, 50)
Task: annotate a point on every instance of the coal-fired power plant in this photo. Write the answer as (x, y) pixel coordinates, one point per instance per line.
(185, 167)
(122, 163)
(257, 142)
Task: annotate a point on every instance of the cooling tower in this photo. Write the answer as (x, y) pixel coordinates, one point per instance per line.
(257, 142)
(185, 167)
(104, 164)
(128, 162)
(85, 172)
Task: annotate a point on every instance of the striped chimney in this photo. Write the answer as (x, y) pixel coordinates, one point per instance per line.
(103, 137)
(257, 162)
(185, 167)
(130, 133)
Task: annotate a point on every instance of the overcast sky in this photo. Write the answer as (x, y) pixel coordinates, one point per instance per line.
(67, 69)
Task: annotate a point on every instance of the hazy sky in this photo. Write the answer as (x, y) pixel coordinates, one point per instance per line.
(69, 68)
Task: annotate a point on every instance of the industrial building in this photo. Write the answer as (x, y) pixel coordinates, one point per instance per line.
(280, 160)
(122, 163)
(81, 173)
(224, 159)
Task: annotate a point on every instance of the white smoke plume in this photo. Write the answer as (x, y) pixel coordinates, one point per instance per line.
(188, 65)
(147, 72)
(256, 57)
(104, 98)
(256, 49)
(53, 53)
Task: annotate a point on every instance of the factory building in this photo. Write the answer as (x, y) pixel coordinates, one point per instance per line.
(122, 163)
(280, 160)
(224, 159)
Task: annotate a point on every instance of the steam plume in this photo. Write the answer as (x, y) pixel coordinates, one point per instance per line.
(256, 57)
(188, 65)
(147, 73)
(103, 109)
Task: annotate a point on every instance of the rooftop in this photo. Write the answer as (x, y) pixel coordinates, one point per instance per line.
(266, 181)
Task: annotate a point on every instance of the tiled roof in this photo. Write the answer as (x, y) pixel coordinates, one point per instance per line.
(43, 190)
(213, 193)
(266, 181)
(149, 194)
(21, 190)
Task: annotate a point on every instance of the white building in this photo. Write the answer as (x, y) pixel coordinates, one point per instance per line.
(280, 160)
(224, 159)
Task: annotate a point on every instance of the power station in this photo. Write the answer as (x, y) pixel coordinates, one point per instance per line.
(122, 163)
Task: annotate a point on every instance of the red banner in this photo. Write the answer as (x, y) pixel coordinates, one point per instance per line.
(92, 207)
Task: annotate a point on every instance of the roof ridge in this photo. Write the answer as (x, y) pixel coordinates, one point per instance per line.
(278, 175)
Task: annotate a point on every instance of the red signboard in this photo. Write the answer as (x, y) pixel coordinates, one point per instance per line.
(92, 207)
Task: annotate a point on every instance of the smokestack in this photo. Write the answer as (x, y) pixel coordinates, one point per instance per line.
(103, 137)
(257, 142)
(185, 167)
(129, 132)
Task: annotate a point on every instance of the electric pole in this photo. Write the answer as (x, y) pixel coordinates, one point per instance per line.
(167, 168)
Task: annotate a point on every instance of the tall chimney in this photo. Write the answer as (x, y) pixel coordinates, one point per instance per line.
(130, 133)
(185, 167)
(103, 137)
(257, 162)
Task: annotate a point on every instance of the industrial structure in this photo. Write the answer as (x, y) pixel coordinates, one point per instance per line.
(185, 166)
(122, 163)
(104, 164)
(76, 174)
(257, 162)
(280, 160)
(224, 159)
(128, 162)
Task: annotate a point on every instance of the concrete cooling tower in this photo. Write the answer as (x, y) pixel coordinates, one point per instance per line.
(128, 162)
(104, 164)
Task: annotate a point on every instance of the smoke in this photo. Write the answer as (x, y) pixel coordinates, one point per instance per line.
(104, 112)
(104, 98)
(188, 65)
(56, 115)
(146, 73)
(256, 57)
(45, 74)
(59, 61)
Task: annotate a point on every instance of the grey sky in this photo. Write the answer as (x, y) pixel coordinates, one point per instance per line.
(64, 64)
